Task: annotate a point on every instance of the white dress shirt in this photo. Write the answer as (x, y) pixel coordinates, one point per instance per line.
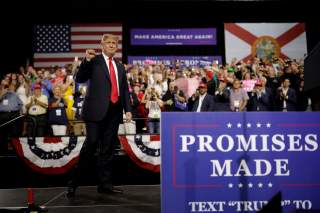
(285, 92)
(201, 97)
(106, 58)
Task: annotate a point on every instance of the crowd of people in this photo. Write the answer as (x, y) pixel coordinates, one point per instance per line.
(53, 100)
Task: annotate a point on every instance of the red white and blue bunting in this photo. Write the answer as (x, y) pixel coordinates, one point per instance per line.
(144, 150)
(49, 155)
(56, 155)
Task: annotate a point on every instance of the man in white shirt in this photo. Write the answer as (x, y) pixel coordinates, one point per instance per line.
(36, 106)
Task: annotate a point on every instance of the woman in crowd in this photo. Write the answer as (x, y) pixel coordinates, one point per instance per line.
(68, 89)
(23, 91)
(153, 104)
(57, 112)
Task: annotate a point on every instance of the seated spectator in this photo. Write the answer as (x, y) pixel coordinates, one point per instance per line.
(204, 102)
(238, 97)
(37, 105)
(57, 112)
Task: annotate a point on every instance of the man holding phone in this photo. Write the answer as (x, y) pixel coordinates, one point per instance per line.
(107, 96)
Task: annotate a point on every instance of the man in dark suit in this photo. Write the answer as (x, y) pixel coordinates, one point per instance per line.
(222, 96)
(286, 97)
(261, 97)
(205, 102)
(107, 96)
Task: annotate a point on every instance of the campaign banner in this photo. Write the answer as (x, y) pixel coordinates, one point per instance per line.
(237, 162)
(185, 61)
(248, 85)
(180, 36)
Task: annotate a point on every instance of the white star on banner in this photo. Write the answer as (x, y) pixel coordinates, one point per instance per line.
(270, 185)
(230, 185)
(258, 125)
(239, 125)
(250, 185)
(268, 125)
(240, 185)
(229, 125)
(260, 185)
(249, 125)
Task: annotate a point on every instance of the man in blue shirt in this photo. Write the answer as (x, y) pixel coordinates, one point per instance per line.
(46, 85)
(10, 107)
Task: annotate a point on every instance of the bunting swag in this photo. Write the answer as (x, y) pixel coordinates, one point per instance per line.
(56, 155)
(144, 150)
(49, 155)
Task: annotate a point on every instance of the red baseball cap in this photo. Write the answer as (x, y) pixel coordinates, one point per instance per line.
(37, 86)
(258, 83)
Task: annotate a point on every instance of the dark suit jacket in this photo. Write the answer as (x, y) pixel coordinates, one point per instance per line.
(291, 102)
(222, 101)
(212, 85)
(263, 103)
(98, 95)
(207, 104)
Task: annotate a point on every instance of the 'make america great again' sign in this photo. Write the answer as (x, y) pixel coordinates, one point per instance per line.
(236, 162)
(174, 36)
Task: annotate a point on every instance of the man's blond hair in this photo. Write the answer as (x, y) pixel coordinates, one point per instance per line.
(109, 36)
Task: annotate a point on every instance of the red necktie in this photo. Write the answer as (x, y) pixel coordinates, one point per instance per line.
(114, 87)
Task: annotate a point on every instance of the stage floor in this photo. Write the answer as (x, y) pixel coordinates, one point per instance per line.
(135, 199)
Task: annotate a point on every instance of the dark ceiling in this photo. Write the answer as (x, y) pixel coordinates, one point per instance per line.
(17, 22)
(43, 11)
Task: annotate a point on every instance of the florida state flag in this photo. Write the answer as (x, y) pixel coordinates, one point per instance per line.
(265, 40)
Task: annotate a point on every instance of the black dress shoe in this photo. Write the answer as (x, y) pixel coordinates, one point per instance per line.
(71, 192)
(109, 190)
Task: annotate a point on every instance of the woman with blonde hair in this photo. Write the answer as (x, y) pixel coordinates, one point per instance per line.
(57, 112)
(68, 90)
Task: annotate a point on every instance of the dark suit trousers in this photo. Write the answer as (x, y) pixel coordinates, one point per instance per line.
(100, 139)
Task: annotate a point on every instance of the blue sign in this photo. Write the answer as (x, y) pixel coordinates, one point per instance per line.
(236, 162)
(185, 61)
(182, 36)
